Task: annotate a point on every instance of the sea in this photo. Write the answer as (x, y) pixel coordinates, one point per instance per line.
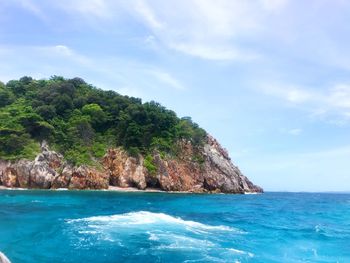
(104, 226)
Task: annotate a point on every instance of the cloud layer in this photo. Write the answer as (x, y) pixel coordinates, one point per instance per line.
(268, 78)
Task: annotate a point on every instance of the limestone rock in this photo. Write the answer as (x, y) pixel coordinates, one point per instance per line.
(49, 170)
(221, 174)
(9, 177)
(63, 179)
(206, 168)
(88, 178)
(23, 169)
(124, 170)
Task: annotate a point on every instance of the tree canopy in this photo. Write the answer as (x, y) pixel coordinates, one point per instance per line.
(82, 122)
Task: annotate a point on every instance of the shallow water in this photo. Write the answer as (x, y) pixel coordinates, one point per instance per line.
(92, 226)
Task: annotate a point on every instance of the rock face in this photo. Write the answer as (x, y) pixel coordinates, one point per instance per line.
(207, 168)
(125, 171)
(49, 170)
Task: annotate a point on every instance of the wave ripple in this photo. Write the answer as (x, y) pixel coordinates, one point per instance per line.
(155, 234)
(140, 218)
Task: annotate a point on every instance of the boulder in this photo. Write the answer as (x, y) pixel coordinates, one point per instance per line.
(124, 170)
(63, 179)
(88, 178)
(9, 177)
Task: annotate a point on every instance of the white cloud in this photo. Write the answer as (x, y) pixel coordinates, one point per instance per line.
(32, 7)
(60, 52)
(213, 52)
(211, 30)
(339, 96)
(290, 93)
(274, 5)
(61, 49)
(125, 76)
(167, 79)
(204, 29)
(295, 132)
(87, 8)
(219, 30)
(148, 15)
(332, 102)
(298, 95)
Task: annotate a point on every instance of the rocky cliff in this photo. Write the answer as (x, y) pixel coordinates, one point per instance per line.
(204, 169)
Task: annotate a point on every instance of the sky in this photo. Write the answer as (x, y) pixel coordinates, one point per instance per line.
(268, 78)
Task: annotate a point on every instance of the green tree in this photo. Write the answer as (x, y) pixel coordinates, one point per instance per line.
(6, 96)
(96, 114)
(82, 121)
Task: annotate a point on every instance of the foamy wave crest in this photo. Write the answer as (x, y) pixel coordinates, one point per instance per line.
(172, 241)
(240, 252)
(141, 218)
(161, 232)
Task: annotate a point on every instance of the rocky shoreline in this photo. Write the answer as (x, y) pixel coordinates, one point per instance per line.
(109, 189)
(116, 189)
(214, 173)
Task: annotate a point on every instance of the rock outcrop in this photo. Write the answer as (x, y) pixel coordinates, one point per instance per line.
(207, 168)
(124, 170)
(49, 170)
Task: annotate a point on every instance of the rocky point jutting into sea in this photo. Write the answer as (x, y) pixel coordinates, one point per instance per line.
(214, 174)
(98, 139)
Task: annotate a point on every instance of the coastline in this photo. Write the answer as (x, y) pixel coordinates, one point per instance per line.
(110, 188)
(120, 190)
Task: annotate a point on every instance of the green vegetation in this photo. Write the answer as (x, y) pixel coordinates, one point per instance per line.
(81, 121)
(149, 164)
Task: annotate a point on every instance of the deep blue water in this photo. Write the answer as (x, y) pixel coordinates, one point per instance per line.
(92, 226)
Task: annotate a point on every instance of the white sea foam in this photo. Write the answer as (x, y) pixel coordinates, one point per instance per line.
(153, 237)
(172, 241)
(61, 189)
(140, 218)
(88, 232)
(37, 201)
(317, 228)
(241, 252)
(163, 232)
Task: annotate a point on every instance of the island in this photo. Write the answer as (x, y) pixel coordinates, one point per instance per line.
(62, 133)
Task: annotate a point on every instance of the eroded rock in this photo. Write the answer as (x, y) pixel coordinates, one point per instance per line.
(124, 170)
(207, 168)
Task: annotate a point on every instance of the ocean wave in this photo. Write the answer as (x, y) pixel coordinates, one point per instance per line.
(148, 218)
(155, 234)
(37, 201)
(172, 241)
(240, 252)
(180, 242)
(165, 242)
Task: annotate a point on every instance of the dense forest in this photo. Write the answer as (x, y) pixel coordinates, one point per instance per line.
(82, 122)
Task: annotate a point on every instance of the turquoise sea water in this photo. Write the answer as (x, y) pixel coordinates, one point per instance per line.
(92, 226)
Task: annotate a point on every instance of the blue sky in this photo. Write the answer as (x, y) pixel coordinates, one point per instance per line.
(268, 78)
